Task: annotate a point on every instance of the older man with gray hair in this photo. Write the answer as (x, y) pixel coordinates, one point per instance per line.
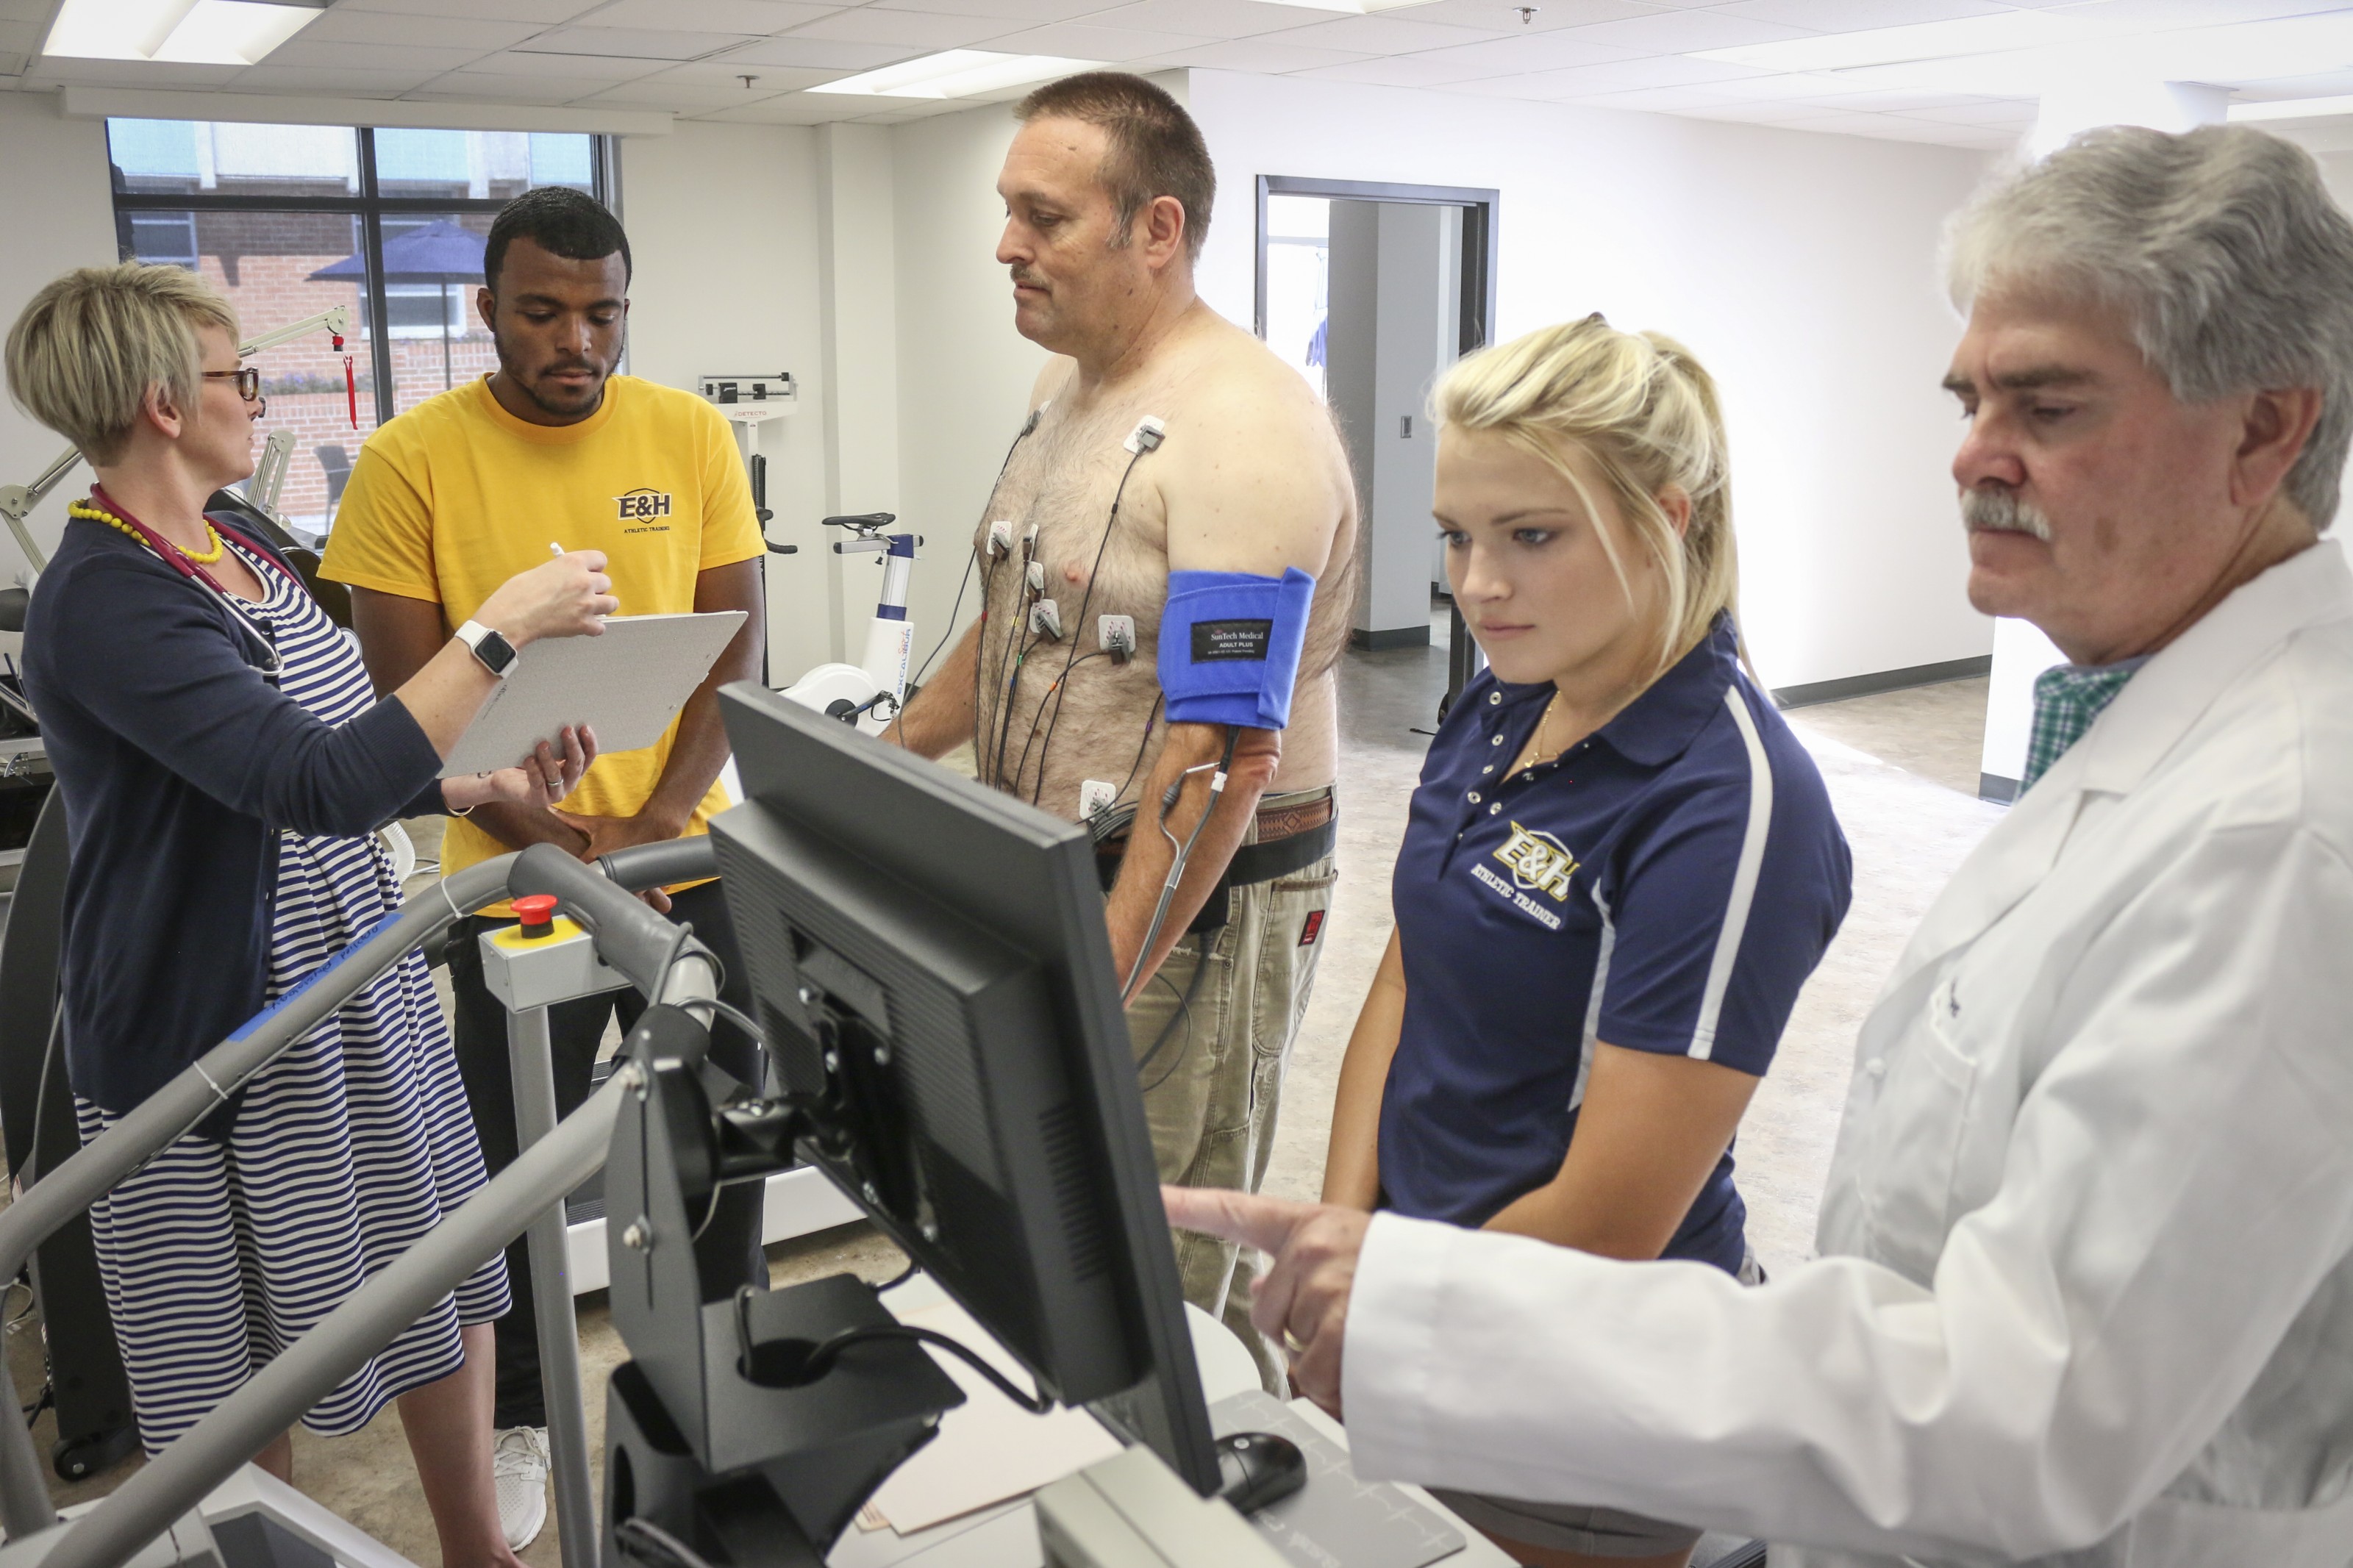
(2085, 1286)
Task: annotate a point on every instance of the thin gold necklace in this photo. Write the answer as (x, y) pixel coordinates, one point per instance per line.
(1543, 731)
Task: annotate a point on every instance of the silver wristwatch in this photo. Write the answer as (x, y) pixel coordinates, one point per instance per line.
(497, 655)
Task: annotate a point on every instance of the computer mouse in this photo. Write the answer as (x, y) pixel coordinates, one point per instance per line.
(1259, 1468)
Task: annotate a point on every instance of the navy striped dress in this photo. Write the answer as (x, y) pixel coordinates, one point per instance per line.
(344, 1152)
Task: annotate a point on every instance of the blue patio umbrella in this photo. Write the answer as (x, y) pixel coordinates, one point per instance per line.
(442, 252)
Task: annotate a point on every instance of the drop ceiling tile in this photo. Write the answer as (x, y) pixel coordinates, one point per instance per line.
(1894, 102)
(1206, 18)
(790, 109)
(1085, 41)
(916, 29)
(1261, 57)
(1755, 113)
(1550, 16)
(344, 24)
(1541, 51)
(486, 87)
(1628, 76)
(603, 69)
(1686, 32)
(730, 73)
(1031, 11)
(757, 18)
(1855, 16)
(1786, 85)
(1403, 70)
(34, 12)
(1655, 99)
(1991, 111)
(632, 43)
(1388, 35)
(2196, 13)
(817, 54)
(425, 62)
(684, 98)
(19, 37)
(546, 13)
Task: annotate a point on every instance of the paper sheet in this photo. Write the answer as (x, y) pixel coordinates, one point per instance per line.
(989, 1449)
(628, 683)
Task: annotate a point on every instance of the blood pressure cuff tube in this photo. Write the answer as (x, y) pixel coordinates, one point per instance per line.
(1230, 645)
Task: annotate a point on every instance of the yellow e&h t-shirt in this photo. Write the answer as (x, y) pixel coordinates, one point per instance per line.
(455, 496)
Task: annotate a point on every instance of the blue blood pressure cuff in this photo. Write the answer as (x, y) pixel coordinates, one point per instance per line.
(1230, 645)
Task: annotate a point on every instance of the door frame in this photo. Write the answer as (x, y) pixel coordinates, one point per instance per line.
(1481, 207)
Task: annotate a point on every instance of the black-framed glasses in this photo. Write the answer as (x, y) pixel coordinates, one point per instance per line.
(247, 379)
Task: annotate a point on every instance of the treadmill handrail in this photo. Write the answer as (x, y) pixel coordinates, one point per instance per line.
(639, 948)
(307, 1371)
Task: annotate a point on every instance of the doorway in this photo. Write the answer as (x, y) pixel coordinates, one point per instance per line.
(1370, 290)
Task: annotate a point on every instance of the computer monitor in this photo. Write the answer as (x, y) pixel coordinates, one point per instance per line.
(929, 956)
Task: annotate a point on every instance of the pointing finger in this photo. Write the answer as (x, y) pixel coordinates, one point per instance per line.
(1266, 1224)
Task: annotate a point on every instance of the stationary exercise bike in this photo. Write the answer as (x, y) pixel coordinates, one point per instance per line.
(868, 694)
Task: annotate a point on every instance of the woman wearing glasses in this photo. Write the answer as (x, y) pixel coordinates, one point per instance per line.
(225, 765)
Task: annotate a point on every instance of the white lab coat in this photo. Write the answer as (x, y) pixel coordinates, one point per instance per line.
(2084, 1294)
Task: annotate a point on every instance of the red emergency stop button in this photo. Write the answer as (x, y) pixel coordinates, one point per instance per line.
(537, 912)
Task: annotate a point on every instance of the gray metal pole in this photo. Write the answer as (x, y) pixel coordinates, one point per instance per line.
(159, 1119)
(307, 1371)
(530, 1060)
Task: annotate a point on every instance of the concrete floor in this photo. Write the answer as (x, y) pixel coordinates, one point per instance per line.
(1901, 769)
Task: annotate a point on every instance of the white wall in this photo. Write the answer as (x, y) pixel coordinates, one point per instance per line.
(53, 183)
(1798, 267)
(721, 222)
(965, 374)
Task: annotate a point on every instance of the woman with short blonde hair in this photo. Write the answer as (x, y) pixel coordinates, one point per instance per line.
(1620, 868)
(224, 766)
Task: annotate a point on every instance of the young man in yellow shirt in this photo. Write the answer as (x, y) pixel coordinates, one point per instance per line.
(448, 500)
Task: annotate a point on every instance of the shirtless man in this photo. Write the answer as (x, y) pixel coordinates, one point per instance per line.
(1107, 190)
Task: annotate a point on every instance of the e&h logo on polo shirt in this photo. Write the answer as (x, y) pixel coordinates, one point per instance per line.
(1539, 862)
(643, 505)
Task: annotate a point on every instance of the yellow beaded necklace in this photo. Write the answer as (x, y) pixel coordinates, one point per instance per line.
(93, 513)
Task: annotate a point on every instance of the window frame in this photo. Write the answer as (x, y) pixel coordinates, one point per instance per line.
(371, 206)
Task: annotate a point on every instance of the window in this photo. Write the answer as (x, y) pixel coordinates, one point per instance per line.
(290, 220)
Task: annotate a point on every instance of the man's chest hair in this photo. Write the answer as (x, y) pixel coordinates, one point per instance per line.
(1063, 482)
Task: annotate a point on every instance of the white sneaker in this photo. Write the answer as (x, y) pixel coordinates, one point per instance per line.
(518, 1467)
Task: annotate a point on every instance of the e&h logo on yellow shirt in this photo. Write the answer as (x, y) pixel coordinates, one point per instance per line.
(643, 505)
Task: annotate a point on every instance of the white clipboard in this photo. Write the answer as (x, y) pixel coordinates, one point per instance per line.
(627, 685)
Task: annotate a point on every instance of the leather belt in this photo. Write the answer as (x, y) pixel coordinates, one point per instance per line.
(1315, 830)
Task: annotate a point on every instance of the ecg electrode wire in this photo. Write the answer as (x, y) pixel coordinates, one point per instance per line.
(1141, 746)
(1182, 853)
(992, 762)
(1004, 707)
(1023, 435)
(1078, 630)
(1060, 681)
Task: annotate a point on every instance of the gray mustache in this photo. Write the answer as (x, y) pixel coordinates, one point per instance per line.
(2001, 511)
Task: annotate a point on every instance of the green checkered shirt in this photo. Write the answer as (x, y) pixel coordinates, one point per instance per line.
(2067, 698)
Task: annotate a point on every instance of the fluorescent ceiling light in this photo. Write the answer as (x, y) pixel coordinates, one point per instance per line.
(198, 32)
(1997, 33)
(957, 73)
(2292, 109)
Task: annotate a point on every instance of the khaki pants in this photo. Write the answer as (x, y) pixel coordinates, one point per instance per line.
(1212, 1032)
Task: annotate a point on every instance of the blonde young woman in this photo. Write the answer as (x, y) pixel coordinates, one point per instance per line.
(224, 764)
(1620, 868)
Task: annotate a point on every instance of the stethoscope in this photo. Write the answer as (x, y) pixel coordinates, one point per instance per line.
(272, 667)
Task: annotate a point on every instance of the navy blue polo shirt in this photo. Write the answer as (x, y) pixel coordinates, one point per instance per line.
(1666, 885)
